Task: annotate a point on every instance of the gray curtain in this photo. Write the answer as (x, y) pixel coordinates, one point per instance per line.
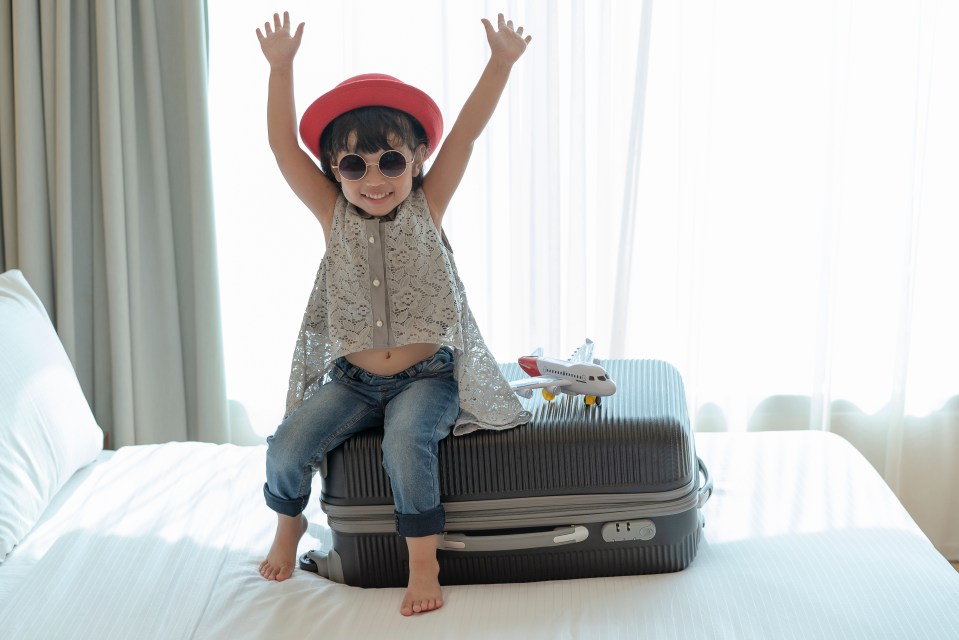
(107, 204)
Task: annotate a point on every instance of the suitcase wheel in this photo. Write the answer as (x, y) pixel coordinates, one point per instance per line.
(307, 564)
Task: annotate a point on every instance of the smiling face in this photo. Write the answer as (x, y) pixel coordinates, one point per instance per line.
(369, 132)
(375, 193)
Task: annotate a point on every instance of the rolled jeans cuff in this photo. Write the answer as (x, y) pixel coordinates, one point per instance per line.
(286, 507)
(417, 525)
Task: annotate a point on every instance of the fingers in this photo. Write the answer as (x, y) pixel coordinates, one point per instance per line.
(519, 32)
(488, 26)
(502, 23)
(278, 24)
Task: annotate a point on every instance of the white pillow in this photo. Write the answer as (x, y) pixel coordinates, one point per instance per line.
(47, 430)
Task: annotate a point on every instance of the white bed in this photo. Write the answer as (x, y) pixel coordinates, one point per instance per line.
(802, 540)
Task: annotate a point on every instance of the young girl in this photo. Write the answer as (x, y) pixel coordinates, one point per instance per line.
(388, 338)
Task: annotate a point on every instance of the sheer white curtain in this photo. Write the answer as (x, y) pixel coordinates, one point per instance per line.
(796, 217)
(107, 206)
(763, 194)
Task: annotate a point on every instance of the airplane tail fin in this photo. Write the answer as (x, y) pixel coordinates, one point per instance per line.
(584, 353)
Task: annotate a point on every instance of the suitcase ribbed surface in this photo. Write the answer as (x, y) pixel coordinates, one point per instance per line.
(636, 441)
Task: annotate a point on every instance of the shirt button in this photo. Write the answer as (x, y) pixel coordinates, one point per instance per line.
(372, 240)
(376, 282)
(379, 323)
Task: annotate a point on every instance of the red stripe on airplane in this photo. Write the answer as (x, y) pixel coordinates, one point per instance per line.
(528, 364)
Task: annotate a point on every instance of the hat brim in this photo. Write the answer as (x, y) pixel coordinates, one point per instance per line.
(371, 90)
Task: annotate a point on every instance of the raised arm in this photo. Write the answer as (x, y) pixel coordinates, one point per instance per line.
(506, 46)
(279, 47)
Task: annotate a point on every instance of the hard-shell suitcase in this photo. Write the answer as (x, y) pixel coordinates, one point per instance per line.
(581, 491)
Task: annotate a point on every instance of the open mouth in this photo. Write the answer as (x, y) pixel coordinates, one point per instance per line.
(375, 196)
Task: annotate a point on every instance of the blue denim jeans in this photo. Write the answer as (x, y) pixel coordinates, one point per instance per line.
(416, 408)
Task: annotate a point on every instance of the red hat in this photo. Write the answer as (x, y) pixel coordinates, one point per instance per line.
(370, 90)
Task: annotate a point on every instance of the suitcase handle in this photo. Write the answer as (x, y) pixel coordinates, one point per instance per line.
(706, 490)
(510, 541)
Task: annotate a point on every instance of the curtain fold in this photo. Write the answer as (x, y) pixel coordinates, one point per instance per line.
(634, 154)
(108, 207)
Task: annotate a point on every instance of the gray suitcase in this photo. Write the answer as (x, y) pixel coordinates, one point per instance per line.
(581, 491)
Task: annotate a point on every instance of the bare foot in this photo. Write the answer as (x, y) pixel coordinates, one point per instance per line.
(423, 592)
(281, 559)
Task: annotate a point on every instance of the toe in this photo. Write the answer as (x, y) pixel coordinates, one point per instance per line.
(266, 570)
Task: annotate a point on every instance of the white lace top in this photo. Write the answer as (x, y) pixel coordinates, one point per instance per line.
(389, 283)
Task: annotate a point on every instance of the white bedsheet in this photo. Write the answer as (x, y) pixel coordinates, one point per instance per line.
(802, 540)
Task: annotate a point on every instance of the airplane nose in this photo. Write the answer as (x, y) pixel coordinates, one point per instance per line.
(528, 364)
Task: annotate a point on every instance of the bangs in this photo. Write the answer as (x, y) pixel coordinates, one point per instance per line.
(371, 129)
(368, 130)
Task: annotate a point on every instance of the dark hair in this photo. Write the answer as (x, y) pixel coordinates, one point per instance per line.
(374, 128)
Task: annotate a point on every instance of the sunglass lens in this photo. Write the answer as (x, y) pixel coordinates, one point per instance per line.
(352, 167)
(393, 164)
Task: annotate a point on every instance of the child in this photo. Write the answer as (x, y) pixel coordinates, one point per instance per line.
(388, 338)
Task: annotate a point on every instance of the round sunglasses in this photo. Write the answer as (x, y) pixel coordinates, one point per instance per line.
(392, 164)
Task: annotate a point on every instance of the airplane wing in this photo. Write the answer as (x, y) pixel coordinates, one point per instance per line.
(525, 386)
(583, 353)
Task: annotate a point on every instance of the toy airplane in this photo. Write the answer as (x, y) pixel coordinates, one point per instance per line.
(578, 375)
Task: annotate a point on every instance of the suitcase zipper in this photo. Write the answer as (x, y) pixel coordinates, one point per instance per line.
(527, 512)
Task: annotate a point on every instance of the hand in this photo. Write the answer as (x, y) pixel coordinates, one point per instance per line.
(505, 43)
(278, 45)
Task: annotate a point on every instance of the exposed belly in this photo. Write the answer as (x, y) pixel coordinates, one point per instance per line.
(387, 362)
